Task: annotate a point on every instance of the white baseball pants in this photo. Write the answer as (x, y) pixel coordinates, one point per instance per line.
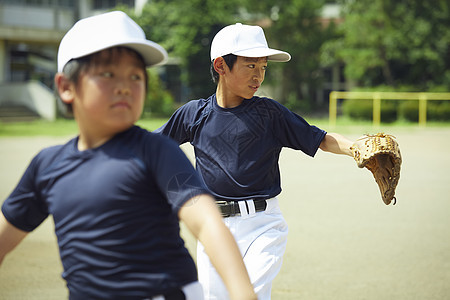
(192, 291)
(261, 238)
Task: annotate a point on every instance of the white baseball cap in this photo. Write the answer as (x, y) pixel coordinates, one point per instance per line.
(107, 30)
(245, 40)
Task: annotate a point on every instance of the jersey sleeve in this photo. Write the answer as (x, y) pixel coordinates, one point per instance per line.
(179, 126)
(24, 208)
(295, 132)
(176, 127)
(175, 176)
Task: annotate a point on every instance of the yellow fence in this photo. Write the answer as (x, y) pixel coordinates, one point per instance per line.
(376, 97)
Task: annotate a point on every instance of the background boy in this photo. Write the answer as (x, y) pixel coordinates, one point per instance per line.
(237, 139)
(117, 192)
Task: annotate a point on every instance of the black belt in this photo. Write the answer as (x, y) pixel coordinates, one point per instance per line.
(231, 208)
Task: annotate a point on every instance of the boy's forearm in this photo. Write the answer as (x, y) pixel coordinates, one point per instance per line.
(220, 246)
(224, 254)
(10, 237)
(337, 144)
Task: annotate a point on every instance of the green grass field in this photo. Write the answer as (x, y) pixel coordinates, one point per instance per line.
(60, 127)
(68, 127)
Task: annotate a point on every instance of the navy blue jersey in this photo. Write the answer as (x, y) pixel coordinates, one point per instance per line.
(115, 210)
(237, 149)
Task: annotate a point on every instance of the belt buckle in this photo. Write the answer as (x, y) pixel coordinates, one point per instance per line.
(228, 208)
(224, 208)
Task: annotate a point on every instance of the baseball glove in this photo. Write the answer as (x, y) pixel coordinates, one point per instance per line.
(380, 154)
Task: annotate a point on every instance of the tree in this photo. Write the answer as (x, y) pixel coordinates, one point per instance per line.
(295, 27)
(185, 29)
(394, 43)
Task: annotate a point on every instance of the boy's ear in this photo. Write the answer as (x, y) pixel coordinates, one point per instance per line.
(219, 65)
(65, 88)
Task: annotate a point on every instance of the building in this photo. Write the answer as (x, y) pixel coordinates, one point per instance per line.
(30, 32)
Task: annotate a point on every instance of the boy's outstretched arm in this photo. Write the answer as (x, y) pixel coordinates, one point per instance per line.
(203, 219)
(10, 237)
(337, 144)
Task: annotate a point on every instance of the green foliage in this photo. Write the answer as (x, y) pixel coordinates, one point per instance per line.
(392, 110)
(159, 102)
(296, 105)
(436, 111)
(394, 43)
(380, 42)
(177, 25)
(295, 27)
(408, 110)
(358, 109)
(185, 29)
(387, 88)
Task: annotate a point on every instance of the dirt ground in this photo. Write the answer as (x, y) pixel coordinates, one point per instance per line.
(344, 242)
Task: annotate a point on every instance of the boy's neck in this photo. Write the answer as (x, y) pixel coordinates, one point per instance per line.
(90, 138)
(226, 100)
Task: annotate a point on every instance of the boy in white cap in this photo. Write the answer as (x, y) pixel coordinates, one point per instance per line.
(117, 192)
(237, 138)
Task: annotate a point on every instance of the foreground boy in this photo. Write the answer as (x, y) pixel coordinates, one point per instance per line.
(117, 192)
(237, 138)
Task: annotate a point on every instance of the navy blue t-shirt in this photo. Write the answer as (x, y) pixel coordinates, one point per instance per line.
(115, 210)
(237, 149)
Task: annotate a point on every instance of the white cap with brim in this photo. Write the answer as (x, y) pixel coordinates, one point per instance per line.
(245, 40)
(100, 32)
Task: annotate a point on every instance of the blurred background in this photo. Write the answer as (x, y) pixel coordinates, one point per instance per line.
(344, 244)
(365, 45)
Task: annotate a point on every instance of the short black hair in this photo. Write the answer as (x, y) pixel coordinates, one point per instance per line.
(230, 60)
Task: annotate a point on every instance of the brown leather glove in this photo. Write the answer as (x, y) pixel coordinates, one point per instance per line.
(380, 154)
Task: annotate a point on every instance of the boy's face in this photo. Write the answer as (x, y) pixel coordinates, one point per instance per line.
(110, 94)
(246, 76)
